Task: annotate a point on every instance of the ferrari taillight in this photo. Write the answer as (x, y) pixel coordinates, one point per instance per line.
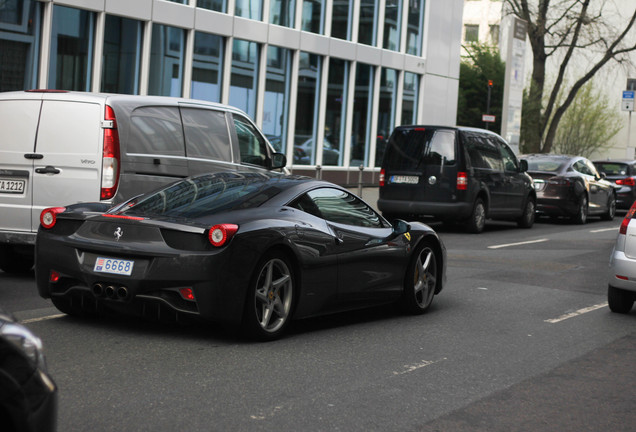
(48, 217)
(221, 234)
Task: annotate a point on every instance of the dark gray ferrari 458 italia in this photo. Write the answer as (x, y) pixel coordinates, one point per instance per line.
(254, 250)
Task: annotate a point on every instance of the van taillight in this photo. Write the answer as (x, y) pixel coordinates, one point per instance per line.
(110, 156)
(381, 180)
(462, 181)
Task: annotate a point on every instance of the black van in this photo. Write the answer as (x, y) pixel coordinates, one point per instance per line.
(454, 174)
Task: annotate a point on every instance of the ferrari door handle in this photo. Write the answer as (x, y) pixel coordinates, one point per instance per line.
(48, 170)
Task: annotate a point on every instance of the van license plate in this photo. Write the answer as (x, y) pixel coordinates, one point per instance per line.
(114, 266)
(12, 186)
(405, 179)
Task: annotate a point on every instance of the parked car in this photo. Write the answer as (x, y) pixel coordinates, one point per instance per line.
(570, 186)
(623, 174)
(28, 394)
(250, 249)
(621, 289)
(454, 174)
(62, 147)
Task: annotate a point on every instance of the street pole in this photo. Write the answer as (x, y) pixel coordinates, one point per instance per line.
(488, 102)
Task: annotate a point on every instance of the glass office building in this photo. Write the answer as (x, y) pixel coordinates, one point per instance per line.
(326, 80)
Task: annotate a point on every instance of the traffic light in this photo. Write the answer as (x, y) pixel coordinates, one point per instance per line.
(489, 83)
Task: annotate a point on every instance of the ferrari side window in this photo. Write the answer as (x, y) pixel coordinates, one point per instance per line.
(338, 206)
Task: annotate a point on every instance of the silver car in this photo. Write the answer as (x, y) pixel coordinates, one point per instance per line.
(621, 290)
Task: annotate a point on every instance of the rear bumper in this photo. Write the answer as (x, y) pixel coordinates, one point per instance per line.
(621, 265)
(458, 210)
(556, 207)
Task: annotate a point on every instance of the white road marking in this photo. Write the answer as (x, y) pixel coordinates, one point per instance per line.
(420, 365)
(603, 230)
(576, 313)
(517, 244)
(50, 317)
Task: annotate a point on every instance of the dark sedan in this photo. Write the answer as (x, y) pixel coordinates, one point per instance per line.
(247, 249)
(570, 186)
(28, 395)
(623, 174)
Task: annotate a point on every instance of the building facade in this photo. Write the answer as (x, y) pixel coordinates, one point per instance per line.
(326, 81)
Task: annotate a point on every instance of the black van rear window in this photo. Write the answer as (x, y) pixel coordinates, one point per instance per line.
(410, 149)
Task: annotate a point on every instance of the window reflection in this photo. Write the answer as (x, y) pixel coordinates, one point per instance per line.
(368, 18)
(19, 39)
(386, 111)
(244, 77)
(71, 49)
(215, 5)
(307, 109)
(281, 12)
(392, 21)
(362, 109)
(248, 9)
(341, 19)
(415, 26)
(122, 55)
(409, 98)
(207, 67)
(277, 90)
(333, 144)
(313, 12)
(166, 61)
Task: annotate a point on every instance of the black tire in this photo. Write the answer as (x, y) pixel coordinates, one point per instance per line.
(14, 261)
(581, 214)
(611, 208)
(421, 279)
(270, 298)
(527, 218)
(620, 301)
(477, 220)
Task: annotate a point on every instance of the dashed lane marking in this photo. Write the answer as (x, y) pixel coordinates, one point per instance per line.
(576, 313)
(517, 244)
(46, 318)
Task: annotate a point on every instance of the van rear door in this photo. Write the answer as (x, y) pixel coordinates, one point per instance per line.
(17, 142)
(420, 165)
(69, 141)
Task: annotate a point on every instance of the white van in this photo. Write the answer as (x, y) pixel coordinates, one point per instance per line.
(59, 148)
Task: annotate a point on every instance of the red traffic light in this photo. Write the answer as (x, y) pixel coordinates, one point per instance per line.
(489, 83)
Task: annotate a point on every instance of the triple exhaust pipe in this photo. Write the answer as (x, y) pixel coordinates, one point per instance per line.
(110, 291)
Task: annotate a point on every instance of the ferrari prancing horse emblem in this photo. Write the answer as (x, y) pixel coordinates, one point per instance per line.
(118, 233)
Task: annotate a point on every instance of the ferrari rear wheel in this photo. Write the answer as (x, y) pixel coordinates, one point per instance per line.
(421, 281)
(270, 298)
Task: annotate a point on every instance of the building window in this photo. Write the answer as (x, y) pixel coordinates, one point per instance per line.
(313, 13)
(415, 27)
(277, 91)
(249, 9)
(392, 24)
(386, 111)
(244, 78)
(281, 12)
(368, 20)
(409, 98)
(71, 49)
(215, 5)
(307, 108)
(341, 19)
(471, 33)
(179, 1)
(336, 114)
(122, 55)
(19, 39)
(362, 111)
(494, 34)
(166, 61)
(207, 67)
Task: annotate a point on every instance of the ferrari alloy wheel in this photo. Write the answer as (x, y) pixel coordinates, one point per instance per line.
(421, 281)
(271, 297)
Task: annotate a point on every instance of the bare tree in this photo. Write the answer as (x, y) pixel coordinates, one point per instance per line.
(561, 30)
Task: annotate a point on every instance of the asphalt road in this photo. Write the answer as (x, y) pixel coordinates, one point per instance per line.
(520, 339)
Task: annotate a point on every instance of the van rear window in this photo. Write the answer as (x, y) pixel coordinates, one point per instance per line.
(409, 149)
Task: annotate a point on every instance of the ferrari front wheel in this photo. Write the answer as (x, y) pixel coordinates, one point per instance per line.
(420, 281)
(270, 297)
